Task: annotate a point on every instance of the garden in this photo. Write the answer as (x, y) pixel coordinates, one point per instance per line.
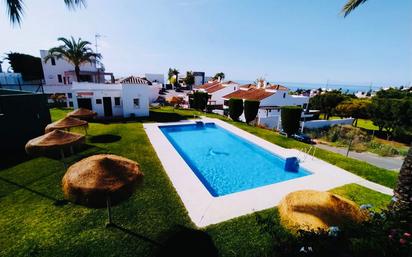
(33, 226)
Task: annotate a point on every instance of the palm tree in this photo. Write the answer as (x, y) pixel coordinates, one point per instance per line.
(173, 73)
(15, 9)
(219, 75)
(76, 52)
(403, 191)
(351, 5)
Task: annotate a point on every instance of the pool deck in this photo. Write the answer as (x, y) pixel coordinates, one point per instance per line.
(205, 209)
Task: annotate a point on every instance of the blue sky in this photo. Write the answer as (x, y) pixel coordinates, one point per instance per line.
(295, 41)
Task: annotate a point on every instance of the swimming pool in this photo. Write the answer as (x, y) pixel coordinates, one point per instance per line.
(224, 162)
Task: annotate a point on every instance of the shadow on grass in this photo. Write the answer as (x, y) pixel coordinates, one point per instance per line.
(188, 242)
(106, 138)
(56, 202)
(12, 158)
(132, 233)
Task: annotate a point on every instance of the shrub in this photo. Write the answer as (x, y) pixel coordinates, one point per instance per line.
(198, 100)
(251, 109)
(235, 108)
(291, 119)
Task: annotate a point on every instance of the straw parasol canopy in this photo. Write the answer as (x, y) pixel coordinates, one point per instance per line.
(65, 123)
(56, 139)
(82, 113)
(314, 210)
(95, 179)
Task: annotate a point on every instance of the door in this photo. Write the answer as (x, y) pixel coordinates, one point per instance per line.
(85, 103)
(107, 106)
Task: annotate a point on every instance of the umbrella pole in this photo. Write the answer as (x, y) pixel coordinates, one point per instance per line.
(109, 212)
(85, 130)
(62, 154)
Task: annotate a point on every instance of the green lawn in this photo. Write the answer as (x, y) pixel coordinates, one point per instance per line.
(32, 226)
(381, 176)
(362, 123)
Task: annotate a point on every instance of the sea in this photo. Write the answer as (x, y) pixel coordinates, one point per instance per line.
(347, 88)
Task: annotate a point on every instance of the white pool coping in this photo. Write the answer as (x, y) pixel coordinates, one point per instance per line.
(205, 209)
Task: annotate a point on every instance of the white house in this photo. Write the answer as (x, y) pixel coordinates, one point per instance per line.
(59, 74)
(271, 98)
(217, 90)
(112, 100)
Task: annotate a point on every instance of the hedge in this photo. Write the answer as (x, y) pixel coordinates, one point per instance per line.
(291, 119)
(251, 108)
(235, 108)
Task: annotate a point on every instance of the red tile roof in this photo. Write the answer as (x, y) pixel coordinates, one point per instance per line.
(230, 82)
(214, 88)
(251, 94)
(278, 87)
(207, 85)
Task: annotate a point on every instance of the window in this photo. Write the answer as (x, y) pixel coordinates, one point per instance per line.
(53, 61)
(64, 80)
(284, 95)
(59, 78)
(71, 104)
(69, 95)
(98, 101)
(117, 101)
(136, 102)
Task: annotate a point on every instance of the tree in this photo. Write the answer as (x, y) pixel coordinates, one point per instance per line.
(251, 108)
(190, 79)
(235, 108)
(355, 108)
(15, 10)
(290, 116)
(198, 100)
(29, 66)
(403, 190)
(327, 102)
(173, 76)
(219, 76)
(351, 5)
(75, 52)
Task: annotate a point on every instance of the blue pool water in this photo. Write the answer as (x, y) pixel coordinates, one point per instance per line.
(225, 162)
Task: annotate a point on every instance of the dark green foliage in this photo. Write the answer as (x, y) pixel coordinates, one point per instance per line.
(190, 79)
(29, 66)
(290, 119)
(251, 109)
(327, 102)
(392, 110)
(235, 108)
(198, 100)
(220, 75)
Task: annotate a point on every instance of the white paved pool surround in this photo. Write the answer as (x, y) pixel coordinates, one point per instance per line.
(205, 209)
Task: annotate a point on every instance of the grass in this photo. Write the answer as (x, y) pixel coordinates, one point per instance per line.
(362, 123)
(32, 226)
(363, 169)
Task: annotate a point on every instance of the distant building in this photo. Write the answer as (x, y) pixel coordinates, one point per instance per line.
(217, 90)
(200, 78)
(271, 98)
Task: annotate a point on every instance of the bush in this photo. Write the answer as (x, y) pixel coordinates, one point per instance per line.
(235, 108)
(198, 100)
(291, 119)
(251, 109)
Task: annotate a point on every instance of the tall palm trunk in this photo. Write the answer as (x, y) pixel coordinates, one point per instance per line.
(77, 71)
(403, 191)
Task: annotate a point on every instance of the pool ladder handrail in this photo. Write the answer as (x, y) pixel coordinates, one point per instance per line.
(306, 151)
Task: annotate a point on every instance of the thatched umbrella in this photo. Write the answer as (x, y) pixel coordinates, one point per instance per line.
(82, 113)
(66, 123)
(55, 140)
(313, 210)
(101, 180)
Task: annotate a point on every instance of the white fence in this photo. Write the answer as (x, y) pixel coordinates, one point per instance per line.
(314, 124)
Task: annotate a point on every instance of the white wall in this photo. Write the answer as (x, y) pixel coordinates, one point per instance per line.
(217, 96)
(282, 98)
(51, 71)
(313, 124)
(130, 92)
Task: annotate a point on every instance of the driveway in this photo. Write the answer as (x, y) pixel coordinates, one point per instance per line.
(390, 163)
